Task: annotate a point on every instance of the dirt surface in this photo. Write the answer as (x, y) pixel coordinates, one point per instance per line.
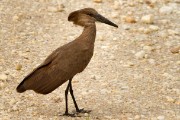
(133, 75)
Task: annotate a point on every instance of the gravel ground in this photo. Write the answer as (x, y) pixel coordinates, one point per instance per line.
(133, 75)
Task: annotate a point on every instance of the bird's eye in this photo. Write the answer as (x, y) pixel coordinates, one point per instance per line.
(90, 14)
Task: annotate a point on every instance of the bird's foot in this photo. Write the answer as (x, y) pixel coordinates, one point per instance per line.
(83, 111)
(69, 115)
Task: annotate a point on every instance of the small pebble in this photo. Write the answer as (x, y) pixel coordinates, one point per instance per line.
(147, 31)
(12, 102)
(104, 47)
(150, 3)
(116, 5)
(15, 18)
(97, 1)
(168, 76)
(126, 27)
(154, 27)
(137, 117)
(55, 9)
(141, 29)
(115, 38)
(165, 10)
(2, 85)
(178, 62)
(175, 49)
(93, 77)
(160, 117)
(3, 77)
(152, 61)
(101, 38)
(177, 101)
(108, 117)
(130, 19)
(131, 4)
(57, 100)
(14, 108)
(173, 32)
(148, 19)
(170, 99)
(164, 21)
(124, 88)
(18, 67)
(115, 15)
(163, 34)
(140, 54)
(129, 64)
(86, 114)
(148, 48)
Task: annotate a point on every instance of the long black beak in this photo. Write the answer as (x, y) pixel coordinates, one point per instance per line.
(102, 19)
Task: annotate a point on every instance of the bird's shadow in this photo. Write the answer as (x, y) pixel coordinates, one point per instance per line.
(74, 113)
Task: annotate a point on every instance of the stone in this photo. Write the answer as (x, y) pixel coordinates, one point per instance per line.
(164, 21)
(16, 18)
(140, 54)
(163, 34)
(129, 64)
(55, 9)
(160, 117)
(126, 27)
(116, 5)
(178, 62)
(168, 76)
(86, 114)
(165, 10)
(170, 99)
(108, 117)
(93, 77)
(2, 85)
(115, 14)
(173, 32)
(101, 38)
(149, 19)
(3, 77)
(131, 4)
(177, 101)
(150, 3)
(141, 29)
(137, 117)
(18, 67)
(148, 48)
(130, 19)
(152, 61)
(154, 27)
(175, 49)
(97, 1)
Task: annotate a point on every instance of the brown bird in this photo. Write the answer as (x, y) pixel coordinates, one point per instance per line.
(68, 60)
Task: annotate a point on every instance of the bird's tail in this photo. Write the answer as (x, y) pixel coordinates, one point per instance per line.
(20, 88)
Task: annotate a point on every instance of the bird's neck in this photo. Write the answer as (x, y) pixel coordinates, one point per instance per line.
(89, 34)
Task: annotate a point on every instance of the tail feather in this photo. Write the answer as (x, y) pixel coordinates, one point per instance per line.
(20, 88)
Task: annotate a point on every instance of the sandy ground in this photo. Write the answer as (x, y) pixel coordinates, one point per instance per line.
(133, 75)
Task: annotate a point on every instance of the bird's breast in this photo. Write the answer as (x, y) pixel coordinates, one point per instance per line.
(85, 57)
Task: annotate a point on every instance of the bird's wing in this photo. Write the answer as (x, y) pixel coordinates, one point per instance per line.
(47, 61)
(50, 74)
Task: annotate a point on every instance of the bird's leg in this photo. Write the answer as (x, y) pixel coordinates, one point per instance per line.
(75, 104)
(71, 92)
(66, 100)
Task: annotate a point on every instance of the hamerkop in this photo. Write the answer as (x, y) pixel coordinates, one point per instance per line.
(68, 60)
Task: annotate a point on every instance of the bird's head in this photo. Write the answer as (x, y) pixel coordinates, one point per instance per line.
(88, 16)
